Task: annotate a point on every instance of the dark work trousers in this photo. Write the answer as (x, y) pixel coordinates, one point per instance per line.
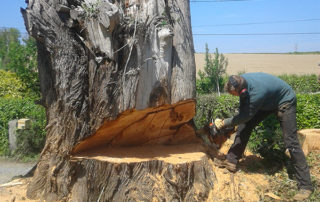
(287, 117)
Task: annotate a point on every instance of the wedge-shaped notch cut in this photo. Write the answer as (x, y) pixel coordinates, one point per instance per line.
(167, 124)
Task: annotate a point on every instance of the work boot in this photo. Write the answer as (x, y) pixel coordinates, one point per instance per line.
(302, 194)
(224, 163)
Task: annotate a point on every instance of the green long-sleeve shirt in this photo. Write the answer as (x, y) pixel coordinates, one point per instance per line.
(265, 92)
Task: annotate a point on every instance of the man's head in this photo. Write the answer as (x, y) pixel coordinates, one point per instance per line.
(235, 85)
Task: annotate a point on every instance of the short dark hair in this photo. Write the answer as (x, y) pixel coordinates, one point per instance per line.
(235, 83)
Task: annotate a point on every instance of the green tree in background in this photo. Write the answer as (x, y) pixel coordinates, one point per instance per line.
(20, 56)
(212, 78)
(7, 37)
(19, 88)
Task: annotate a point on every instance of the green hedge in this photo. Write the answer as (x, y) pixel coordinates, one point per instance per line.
(308, 111)
(32, 140)
(299, 83)
(211, 106)
(11, 85)
(266, 139)
(302, 83)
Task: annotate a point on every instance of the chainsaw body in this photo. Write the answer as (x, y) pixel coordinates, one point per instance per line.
(214, 137)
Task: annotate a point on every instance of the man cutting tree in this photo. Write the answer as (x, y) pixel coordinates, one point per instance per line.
(260, 95)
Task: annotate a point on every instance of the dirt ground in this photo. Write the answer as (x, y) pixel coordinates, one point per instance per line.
(242, 185)
(276, 64)
(16, 192)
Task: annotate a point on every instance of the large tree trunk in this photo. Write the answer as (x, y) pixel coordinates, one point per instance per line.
(118, 82)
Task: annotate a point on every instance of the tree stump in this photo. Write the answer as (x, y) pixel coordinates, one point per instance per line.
(143, 173)
(117, 79)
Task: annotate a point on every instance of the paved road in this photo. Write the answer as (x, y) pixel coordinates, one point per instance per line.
(10, 168)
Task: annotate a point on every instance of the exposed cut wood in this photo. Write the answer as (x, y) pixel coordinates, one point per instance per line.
(162, 179)
(309, 140)
(173, 154)
(158, 125)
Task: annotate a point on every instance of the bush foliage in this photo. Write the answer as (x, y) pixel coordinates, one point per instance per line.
(266, 139)
(308, 111)
(300, 83)
(19, 87)
(15, 108)
(19, 55)
(212, 79)
(211, 106)
(11, 85)
(303, 83)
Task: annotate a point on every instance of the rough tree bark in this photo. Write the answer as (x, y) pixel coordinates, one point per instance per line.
(118, 83)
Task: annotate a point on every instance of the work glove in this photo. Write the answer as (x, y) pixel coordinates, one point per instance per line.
(219, 123)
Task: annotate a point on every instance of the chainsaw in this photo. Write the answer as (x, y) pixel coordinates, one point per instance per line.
(214, 137)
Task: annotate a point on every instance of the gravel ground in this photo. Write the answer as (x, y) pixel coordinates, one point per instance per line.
(10, 168)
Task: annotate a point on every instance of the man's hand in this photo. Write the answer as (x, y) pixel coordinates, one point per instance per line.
(219, 123)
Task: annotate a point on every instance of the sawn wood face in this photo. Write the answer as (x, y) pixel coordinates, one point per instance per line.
(167, 124)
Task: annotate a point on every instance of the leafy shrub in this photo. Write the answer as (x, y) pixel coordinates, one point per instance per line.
(15, 108)
(302, 83)
(266, 139)
(20, 56)
(11, 85)
(308, 111)
(212, 78)
(30, 141)
(211, 106)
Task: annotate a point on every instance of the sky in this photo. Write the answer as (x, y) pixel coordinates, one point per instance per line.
(256, 17)
(233, 26)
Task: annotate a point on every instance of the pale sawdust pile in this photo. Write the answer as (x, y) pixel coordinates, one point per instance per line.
(15, 191)
(239, 186)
